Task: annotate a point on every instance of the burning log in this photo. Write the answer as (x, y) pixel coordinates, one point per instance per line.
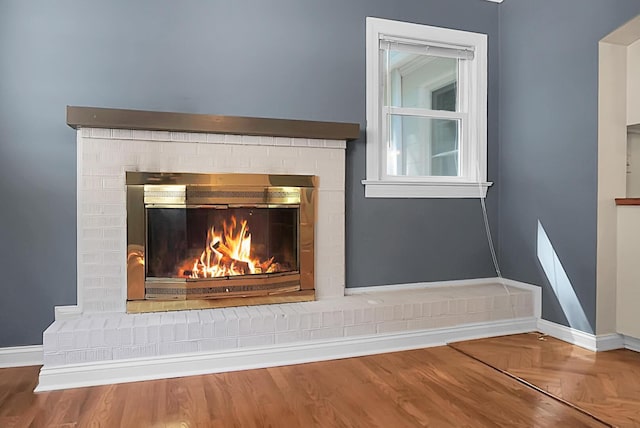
(222, 249)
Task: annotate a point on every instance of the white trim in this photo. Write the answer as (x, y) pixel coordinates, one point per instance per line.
(19, 356)
(631, 343)
(596, 343)
(412, 189)
(608, 342)
(102, 373)
(473, 162)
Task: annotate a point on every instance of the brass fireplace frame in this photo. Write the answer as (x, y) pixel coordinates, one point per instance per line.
(183, 190)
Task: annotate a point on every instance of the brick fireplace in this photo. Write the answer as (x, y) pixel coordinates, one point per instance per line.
(98, 341)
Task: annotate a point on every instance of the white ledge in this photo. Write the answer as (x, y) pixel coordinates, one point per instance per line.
(424, 189)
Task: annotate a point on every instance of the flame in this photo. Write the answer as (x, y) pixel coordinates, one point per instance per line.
(228, 253)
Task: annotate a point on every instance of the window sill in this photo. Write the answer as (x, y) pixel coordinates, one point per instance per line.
(412, 189)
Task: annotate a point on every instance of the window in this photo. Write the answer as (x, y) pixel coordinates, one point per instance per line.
(426, 111)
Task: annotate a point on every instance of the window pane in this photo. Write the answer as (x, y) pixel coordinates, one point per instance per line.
(421, 146)
(420, 81)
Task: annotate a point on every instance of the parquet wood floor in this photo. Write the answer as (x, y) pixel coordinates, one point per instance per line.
(604, 384)
(436, 387)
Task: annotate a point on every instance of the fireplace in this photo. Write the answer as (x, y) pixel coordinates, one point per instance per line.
(236, 238)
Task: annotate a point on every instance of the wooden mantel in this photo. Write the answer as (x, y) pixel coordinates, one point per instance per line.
(627, 201)
(95, 117)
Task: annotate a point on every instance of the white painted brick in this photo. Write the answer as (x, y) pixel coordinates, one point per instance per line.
(125, 331)
(420, 324)
(315, 320)
(348, 316)
(438, 308)
(522, 311)
(458, 307)
(194, 327)
(135, 351)
(502, 314)
(477, 317)
(364, 315)
(124, 134)
(113, 183)
(326, 333)
(233, 327)
(182, 329)
(178, 347)
(259, 340)
(167, 332)
(117, 234)
(378, 314)
(96, 338)
(111, 335)
(448, 321)
(196, 137)
(139, 134)
(336, 144)
(288, 336)
(500, 303)
(392, 326)
(100, 133)
(478, 304)
(215, 138)
(183, 149)
(217, 344)
(281, 322)
(88, 355)
(359, 330)
(179, 136)
(262, 324)
(332, 319)
(91, 183)
(160, 135)
(55, 359)
(398, 312)
(81, 338)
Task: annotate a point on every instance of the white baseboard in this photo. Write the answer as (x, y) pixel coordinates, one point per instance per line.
(592, 342)
(19, 356)
(632, 343)
(109, 372)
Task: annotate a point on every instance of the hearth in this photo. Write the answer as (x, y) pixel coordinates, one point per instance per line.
(237, 238)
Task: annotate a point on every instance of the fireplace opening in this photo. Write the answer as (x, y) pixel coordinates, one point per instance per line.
(219, 236)
(215, 242)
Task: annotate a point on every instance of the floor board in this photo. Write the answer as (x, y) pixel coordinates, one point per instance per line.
(604, 384)
(438, 387)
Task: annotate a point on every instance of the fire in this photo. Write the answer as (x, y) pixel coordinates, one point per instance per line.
(229, 253)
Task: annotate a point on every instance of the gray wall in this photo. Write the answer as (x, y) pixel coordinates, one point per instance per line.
(298, 59)
(548, 138)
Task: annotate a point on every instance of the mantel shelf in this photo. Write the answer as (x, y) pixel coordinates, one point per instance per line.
(95, 117)
(627, 201)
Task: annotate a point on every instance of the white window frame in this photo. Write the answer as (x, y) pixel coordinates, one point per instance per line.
(472, 181)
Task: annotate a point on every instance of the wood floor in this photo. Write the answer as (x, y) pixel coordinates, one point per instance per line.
(438, 387)
(605, 385)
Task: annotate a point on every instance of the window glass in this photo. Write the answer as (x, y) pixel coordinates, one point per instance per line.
(423, 146)
(412, 78)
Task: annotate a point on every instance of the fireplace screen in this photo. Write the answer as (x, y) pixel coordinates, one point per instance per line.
(212, 236)
(199, 243)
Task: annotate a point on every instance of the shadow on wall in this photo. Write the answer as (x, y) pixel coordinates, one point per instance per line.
(560, 283)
